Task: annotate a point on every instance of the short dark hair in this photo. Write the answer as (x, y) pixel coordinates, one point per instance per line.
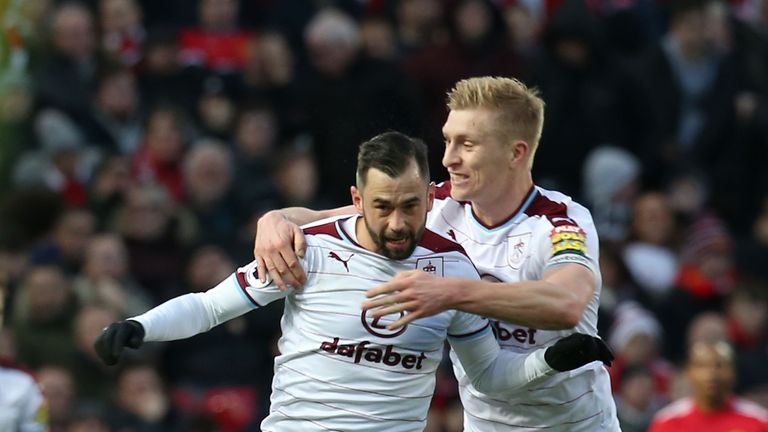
(391, 153)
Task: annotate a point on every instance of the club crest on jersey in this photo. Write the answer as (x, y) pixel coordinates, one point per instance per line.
(378, 326)
(335, 255)
(568, 239)
(517, 247)
(431, 265)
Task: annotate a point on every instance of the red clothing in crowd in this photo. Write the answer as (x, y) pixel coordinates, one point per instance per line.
(738, 415)
(223, 51)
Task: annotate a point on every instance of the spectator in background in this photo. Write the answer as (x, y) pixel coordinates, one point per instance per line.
(342, 83)
(581, 84)
(109, 186)
(155, 231)
(420, 25)
(649, 254)
(122, 30)
(752, 249)
(215, 109)
(707, 274)
(115, 124)
(209, 196)
(105, 279)
(712, 406)
(218, 43)
(635, 337)
(270, 76)
(256, 133)
(64, 82)
(141, 403)
(636, 399)
(158, 160)
(163, 79)
(43, 318)
(689, 85)
(379, 39)
(611, 181)
(67, 243)
(58, 388)
(747, 320)
(296, 178)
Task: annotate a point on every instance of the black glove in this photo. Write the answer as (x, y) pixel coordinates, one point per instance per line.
(576, 350)
(109, 345)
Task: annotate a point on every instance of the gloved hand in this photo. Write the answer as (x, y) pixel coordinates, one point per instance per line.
(576, 350)
(109, 345)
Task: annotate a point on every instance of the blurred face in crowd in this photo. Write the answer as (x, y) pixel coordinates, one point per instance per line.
(653, 221)
(208, 267)
(117, 95)
(106, 257)
(750, 312)
(689, 30)
(73, 34)
(73, 232)
(164, 136)
(140, 391)
(147, 213)
(473, 20)
(711, 374)
(297, 178)
(256, 133)
(419, 14)
(208, 174)
(119, 16)
(48, 293)
(394, 211)
(478, 162)
(59, 391)
(218, 15)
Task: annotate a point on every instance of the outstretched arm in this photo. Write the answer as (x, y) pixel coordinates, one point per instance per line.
(279, 243)
(494, 371)
(555, 302)
(187, 315)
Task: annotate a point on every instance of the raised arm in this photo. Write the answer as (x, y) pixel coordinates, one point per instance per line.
(279, 243)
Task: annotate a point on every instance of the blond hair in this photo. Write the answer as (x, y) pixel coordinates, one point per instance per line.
(520, 109)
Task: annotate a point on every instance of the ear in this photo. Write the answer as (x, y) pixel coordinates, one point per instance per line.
(357, 199)
(519, 153)
(430, 195)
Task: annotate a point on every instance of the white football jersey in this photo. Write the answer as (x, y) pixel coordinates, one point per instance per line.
(548, 229)
(339, 368)
(22, 407)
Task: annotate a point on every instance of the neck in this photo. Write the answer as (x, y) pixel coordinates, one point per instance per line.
(495, 209)
(711, 405)
(363, 237)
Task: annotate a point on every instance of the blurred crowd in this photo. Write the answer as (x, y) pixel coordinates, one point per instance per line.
(141, 140)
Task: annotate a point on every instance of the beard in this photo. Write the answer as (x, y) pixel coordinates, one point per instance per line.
(407, 240)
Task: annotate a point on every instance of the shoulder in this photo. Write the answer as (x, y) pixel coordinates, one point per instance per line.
(750, 409)
(558, 209)
(435, 243)
(324, 227)
(677, 409)
(14, 375)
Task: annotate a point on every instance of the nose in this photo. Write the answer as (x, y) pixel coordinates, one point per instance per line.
(396, 221)
(450, 156)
